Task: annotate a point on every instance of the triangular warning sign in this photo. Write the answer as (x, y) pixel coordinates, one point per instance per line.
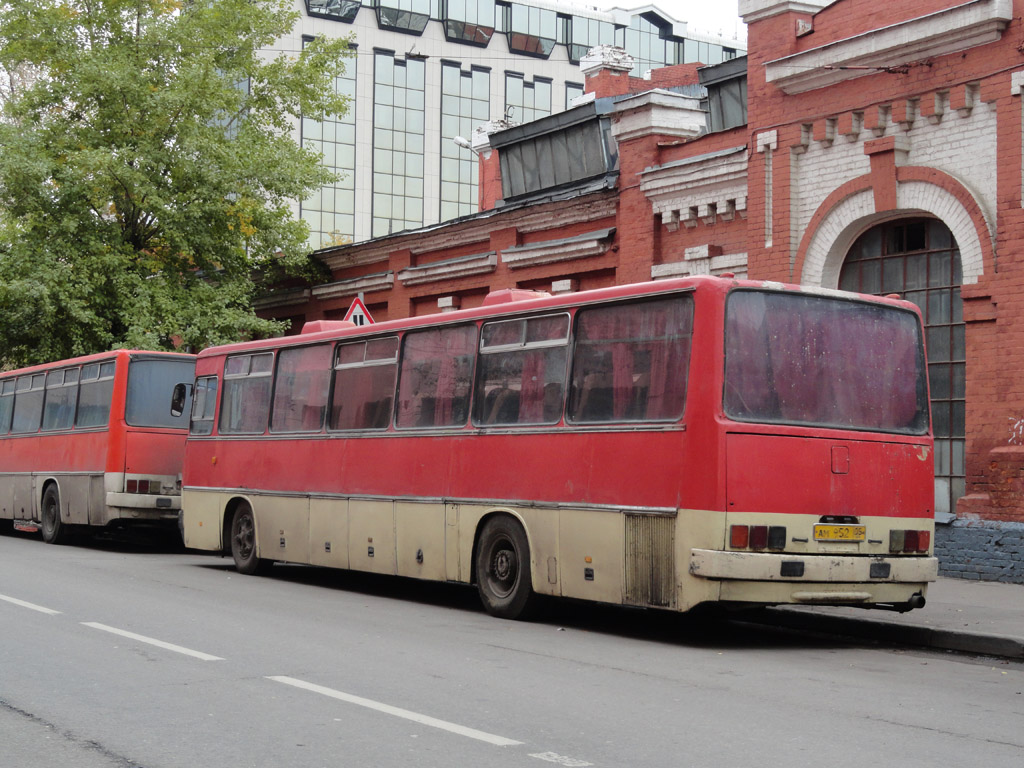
(358, 313)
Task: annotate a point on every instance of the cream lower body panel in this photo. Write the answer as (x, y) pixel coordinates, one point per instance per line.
(659, 560)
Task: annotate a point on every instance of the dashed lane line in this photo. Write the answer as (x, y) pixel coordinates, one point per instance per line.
(32, 606)
(433, 722)
(152, 641)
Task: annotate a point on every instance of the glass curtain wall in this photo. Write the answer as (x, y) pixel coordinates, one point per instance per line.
(398, 128)
(469, 21)
(465, 103)
(330, 211)
(528, 101)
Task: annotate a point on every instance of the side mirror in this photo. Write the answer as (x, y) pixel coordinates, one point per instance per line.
(178, 399)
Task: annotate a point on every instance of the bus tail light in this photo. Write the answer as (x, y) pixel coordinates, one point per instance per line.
(141, 486)
(757, 537)
(739, 536)
(909, 541)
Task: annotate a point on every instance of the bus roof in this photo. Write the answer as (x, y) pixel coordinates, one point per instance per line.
(98, 356)
(517, 303)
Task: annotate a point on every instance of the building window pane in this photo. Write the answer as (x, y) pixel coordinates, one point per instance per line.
(335, 139)
(398, 144)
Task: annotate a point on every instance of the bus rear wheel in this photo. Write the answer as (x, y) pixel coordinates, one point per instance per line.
(243, 543)
(54, 531)
(502, 569)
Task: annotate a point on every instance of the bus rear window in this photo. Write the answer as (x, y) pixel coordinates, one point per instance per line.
(150, 386)
(801, 359)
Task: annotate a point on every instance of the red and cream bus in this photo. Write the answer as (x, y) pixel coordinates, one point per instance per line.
(92, 442)
(664, 444)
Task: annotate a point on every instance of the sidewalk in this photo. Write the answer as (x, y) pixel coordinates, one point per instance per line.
(982, 617)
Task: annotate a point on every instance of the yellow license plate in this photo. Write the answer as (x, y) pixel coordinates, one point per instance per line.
(839, 532)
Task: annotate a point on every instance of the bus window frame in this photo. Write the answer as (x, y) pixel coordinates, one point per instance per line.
(212, 420)
(31, 378)
(282, 352)
(248, 374)
(570, 404)
(396, 361)
(64, 384)
(7, 391)
(94, 374)
(478, 397)
(441, 328)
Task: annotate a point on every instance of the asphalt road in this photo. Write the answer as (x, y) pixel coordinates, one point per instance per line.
(118, 654)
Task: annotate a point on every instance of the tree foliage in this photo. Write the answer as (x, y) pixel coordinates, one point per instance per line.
(148, 169)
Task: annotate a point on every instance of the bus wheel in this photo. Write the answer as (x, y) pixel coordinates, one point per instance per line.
(243, 542)
(54, 531)
(502, 569)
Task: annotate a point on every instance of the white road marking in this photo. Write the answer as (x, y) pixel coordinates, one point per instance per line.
(433, 722)
(33, 606)
(151, 641)
(554, 757)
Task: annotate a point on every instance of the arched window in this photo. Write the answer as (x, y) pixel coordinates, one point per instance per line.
(920, 260)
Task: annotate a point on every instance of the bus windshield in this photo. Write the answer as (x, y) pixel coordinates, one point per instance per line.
(795, 358)
(150, 386)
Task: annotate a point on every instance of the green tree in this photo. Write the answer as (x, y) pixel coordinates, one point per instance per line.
(148, 169)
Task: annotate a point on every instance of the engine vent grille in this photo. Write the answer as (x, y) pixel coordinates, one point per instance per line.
(650, 560)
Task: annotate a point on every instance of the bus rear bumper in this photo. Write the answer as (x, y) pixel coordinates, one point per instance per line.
(812, 569)
(139, 501)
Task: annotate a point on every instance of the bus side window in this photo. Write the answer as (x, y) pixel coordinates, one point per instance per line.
(204, 405)
(300, 393)
(436, 377)
(630, 361)
(61, 399)
(245, 405)
(95, 392)
(28, 404)
(6, 405)
(364, 384)
(521, 373)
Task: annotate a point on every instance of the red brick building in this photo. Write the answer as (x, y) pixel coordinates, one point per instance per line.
(881, 152)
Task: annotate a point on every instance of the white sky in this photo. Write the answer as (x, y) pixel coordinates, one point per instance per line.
(715, 16)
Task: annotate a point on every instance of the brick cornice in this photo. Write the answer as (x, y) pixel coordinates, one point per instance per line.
(449, 269)
(936, 34)
(563, 249)
(380, 281)
(699, 188)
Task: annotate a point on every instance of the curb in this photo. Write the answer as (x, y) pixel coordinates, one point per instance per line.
(961, 641)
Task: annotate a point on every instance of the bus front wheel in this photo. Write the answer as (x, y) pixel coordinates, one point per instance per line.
(503, 569)
(243, 543)
(54, 531)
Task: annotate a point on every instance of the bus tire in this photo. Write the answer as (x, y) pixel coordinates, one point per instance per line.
(53, 530)
(502, 569)
(244, 547)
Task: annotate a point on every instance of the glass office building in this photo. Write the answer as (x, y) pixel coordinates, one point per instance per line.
(426, 71)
